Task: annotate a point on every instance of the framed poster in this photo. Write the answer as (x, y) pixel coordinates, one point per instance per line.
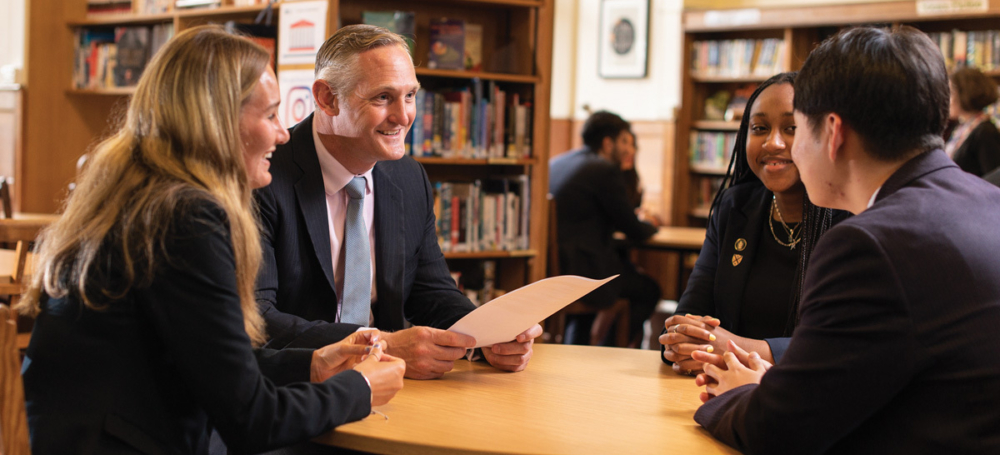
(624, 38)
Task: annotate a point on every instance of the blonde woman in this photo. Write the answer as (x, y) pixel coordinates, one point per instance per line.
(146, 316)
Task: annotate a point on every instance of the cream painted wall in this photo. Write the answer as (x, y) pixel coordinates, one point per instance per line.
(11, 33)
(648, 102)
(651, 98)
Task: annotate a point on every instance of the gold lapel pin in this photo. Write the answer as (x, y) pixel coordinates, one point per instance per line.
(737, 258)
(741, 244)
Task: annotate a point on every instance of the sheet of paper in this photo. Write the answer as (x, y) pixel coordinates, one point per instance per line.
(504, 317)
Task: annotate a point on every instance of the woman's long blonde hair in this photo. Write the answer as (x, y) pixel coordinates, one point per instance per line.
(180, 142)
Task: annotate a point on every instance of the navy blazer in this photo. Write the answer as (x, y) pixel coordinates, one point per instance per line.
(896, 350)
(154, 370)
(591, 204)
(295, 289)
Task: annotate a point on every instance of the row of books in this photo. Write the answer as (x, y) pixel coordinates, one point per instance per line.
(107, 7)
(484, 215)
(471, 122)
(710, 149)
(980, 49)
(738, 57)
(454, 44)
(107, 57)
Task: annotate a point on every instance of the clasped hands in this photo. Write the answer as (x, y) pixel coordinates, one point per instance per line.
(430, 353)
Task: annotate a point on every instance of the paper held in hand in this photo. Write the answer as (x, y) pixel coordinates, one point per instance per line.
(504, 318)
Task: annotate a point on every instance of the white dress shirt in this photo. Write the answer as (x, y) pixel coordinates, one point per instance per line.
(335, 179)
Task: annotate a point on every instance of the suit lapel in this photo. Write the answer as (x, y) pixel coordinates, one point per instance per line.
(311, 196)
(746, 222)
(390, 246)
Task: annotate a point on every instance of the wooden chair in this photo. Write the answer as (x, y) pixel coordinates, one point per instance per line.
(13, 418)
(12, 283)
(604, 320)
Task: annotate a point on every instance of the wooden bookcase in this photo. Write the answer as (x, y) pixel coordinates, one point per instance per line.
(62, 122)
(801, 29)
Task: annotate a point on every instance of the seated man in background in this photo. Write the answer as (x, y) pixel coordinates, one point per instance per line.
(591, 204)
(348, 227)
(896, 350)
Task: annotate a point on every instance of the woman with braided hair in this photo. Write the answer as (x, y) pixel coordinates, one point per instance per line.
(746, 284)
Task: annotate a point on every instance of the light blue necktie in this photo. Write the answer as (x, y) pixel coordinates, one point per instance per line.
(356, 305)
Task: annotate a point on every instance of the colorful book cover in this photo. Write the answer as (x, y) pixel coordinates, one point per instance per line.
(447, 44)
(132, 54)
(473, 47)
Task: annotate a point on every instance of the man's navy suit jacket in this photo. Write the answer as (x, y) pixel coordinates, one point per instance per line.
(897, 348)
(295, 289)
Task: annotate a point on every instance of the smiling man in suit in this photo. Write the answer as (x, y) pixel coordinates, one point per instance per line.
(348, 227)
(896, 350)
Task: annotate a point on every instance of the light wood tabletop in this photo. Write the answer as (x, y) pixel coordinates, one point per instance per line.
(676, 238)
(570, 400)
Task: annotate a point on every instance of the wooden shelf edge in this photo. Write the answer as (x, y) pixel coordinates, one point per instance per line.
(118, 91)
(126, 19)
(707, 170)
(705, 78)
(721, 125)
(222, 10)
(476, 161)
(501, 77)
(122, 19)
(527, 3)
(490, 254)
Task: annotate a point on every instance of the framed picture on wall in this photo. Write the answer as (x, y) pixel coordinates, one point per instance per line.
(624, 38)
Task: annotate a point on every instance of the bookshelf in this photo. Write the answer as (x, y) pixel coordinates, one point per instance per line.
(800, 29)
(63, 120)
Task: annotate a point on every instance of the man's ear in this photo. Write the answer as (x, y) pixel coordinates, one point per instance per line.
(834, 127)
(325, 97)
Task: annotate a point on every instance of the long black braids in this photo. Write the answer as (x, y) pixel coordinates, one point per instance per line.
(815, 220)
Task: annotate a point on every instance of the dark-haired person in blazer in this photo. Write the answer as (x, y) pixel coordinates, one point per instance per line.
(975, 142)
(896, 349)
(746, 284)
(365, 92)
(144, 287)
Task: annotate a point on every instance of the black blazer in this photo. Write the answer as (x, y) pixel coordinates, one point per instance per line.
(591, 204)
(295, 289)
(156, 369)
(896, 350)
(980, 153)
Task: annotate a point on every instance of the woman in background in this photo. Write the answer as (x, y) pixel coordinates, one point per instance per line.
(975, 142)
(146, 316)
(761, 230)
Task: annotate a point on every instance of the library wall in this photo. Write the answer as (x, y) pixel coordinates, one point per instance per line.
(11, 34)
(577, 86)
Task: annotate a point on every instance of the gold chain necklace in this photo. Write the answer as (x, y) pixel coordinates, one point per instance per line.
(793, 239)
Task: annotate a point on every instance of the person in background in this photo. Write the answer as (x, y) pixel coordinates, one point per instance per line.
(143, 291)
(760, 233)
(312, 289)
(975, 142)
(591, 204)
(896, 349)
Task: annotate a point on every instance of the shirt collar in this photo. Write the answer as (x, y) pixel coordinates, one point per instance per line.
(874, 195)
(335, 175)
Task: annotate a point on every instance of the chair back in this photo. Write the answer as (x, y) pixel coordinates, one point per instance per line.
(13, 418)
(8, 209)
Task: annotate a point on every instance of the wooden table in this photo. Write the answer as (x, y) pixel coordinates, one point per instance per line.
(570, 400)
(683, 240)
